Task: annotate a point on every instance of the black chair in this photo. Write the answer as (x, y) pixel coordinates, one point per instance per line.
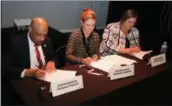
(60, 55)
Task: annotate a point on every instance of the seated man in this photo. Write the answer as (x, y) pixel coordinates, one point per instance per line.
(30, 55)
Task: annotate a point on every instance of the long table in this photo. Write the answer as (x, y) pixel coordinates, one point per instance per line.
(94, 86)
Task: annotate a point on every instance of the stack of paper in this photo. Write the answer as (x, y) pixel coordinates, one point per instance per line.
(116, 59)
(107, 62)
(103, 65)
(59, 75)
(141, 54)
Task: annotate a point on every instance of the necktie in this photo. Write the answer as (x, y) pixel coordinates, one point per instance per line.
(38, 56)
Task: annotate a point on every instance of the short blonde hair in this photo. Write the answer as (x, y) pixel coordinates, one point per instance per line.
(88, 13)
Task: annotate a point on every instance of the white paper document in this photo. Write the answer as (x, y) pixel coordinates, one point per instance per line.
(141, 54)
(107, 62)
(116, 59)
(59, 75)
(103, 65)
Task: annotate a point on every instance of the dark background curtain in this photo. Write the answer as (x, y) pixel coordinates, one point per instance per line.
(155, 17)
(166, 26)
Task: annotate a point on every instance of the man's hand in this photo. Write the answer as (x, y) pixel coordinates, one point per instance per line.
(50, 67)
(40, 73)
(37, 73)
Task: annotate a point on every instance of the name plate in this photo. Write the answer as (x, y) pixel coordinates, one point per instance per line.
(158, 60)
(69, 85)
(121, 72)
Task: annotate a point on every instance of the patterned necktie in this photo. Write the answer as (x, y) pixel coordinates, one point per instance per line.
(38, 56)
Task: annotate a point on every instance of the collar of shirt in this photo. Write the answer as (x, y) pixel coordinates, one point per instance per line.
(31, 43)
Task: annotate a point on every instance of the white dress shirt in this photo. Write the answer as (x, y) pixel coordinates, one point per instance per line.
(33, 60)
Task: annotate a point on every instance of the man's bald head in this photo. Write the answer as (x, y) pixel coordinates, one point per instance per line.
(39, 21)
(38, 30)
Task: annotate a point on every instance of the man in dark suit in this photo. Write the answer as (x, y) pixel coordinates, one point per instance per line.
(30, 55)
(22, 55)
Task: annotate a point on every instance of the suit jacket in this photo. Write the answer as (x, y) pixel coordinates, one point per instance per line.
(17, 57)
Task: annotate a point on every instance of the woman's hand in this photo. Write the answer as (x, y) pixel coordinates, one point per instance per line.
(136, 49)
(95, 57)
(129, 50)
(87, 60)
(126, 50)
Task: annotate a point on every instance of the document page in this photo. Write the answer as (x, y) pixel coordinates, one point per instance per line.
(59, 75)
(141, 54)
(103, 65)
(107, 62)
(116, 59)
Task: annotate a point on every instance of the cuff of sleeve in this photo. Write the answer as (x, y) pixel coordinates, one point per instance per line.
(22, 73)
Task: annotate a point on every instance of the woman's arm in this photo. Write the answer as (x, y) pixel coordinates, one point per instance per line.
(134, 44)
(96, 45)
(109, 44)
(70, 49)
